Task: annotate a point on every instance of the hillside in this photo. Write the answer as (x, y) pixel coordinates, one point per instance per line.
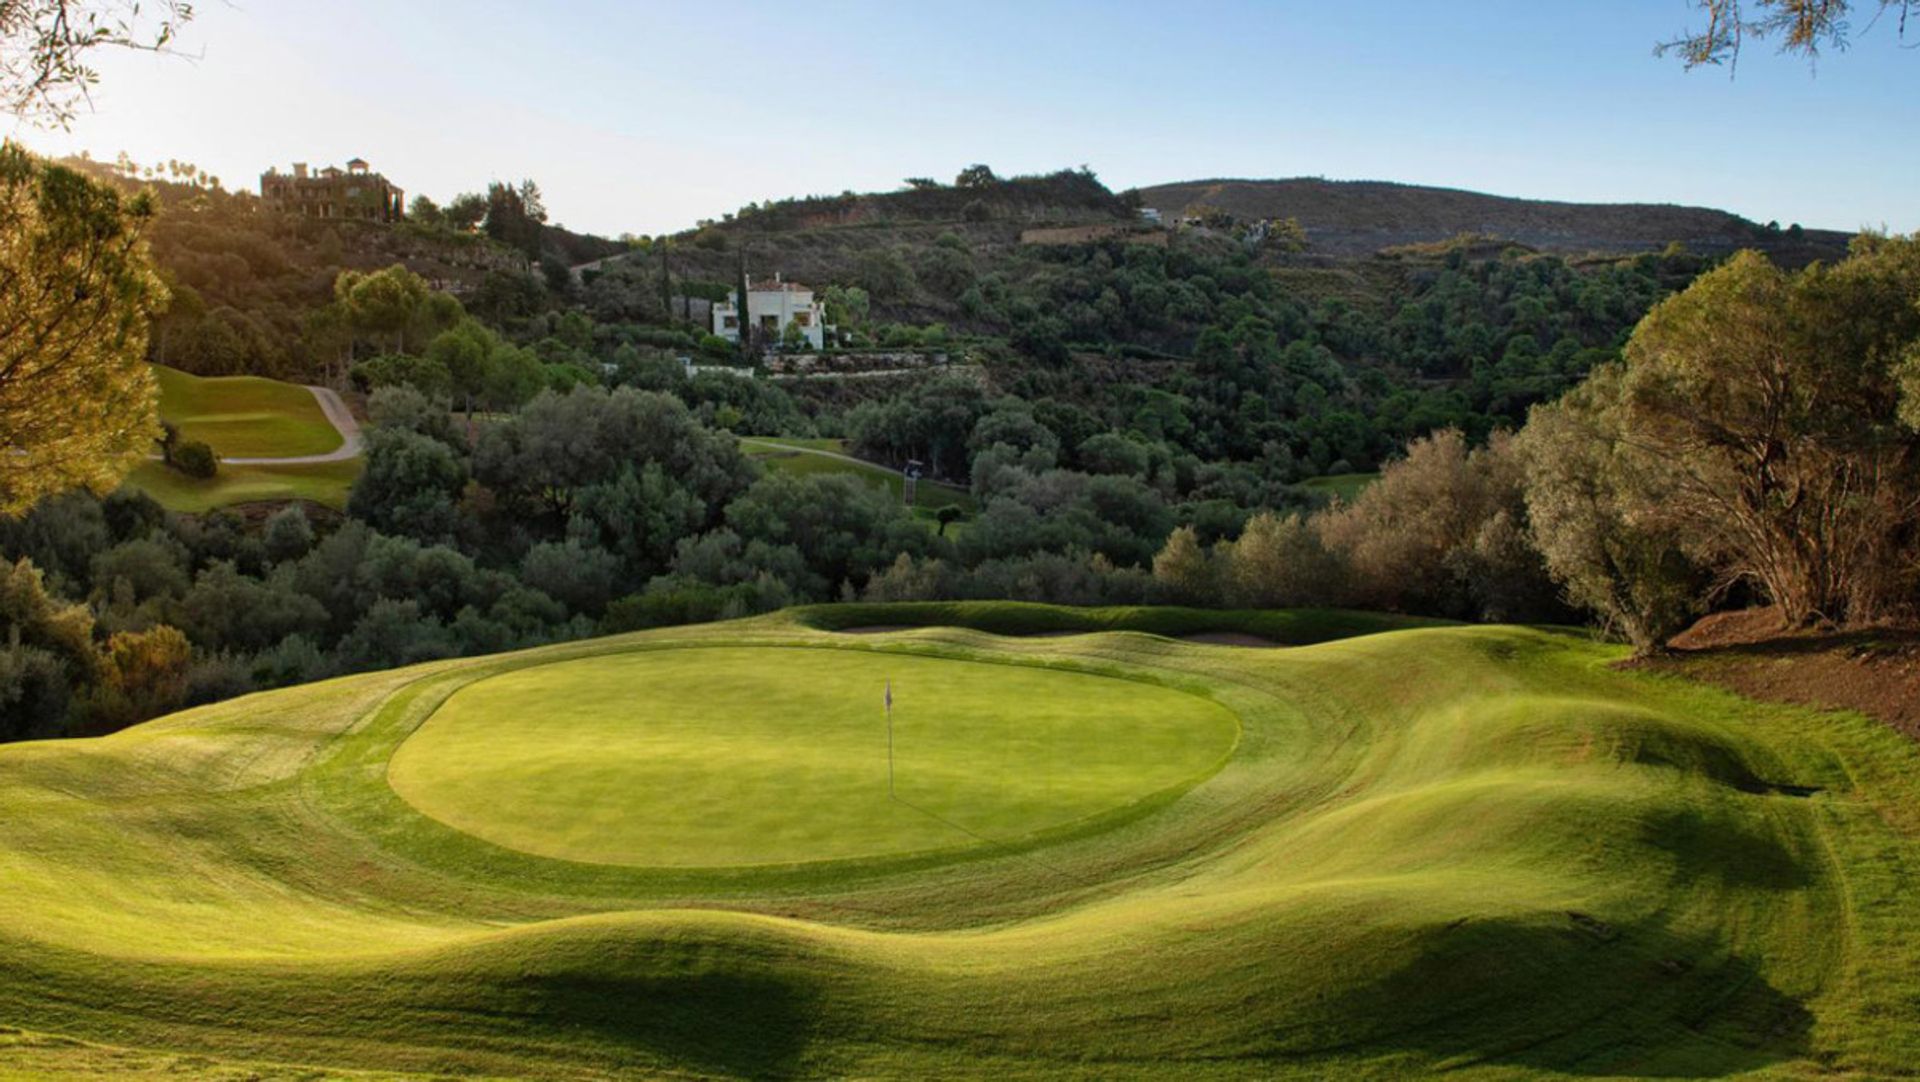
(1125, 852)
(1358, 218)
(249, 283)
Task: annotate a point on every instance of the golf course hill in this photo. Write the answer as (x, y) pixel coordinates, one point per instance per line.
(929, 840)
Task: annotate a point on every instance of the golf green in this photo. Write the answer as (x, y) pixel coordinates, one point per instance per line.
(717, 757)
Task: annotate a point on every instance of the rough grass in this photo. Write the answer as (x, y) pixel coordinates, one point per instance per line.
(323, 483)
(246, 416)
(1478, 850)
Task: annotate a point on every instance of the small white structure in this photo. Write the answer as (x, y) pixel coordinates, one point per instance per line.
(772, 307)
(1150, 215)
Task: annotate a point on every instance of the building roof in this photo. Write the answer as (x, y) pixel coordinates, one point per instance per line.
(777, 286)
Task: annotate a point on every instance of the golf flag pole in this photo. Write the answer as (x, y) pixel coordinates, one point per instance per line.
(889, 738)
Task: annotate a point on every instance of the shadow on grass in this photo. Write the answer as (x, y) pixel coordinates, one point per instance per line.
(713, 1023)
(1574, 993)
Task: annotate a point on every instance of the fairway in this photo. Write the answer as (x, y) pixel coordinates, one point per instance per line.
(830, 456)
(766, 756)
(246, 416)
(326, 483)
(1389, 849)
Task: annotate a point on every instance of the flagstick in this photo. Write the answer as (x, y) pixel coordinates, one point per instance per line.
(889, 740)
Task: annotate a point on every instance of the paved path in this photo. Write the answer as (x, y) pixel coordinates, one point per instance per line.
(342, 419)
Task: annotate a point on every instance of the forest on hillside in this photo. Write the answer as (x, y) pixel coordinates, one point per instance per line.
(1133, 422)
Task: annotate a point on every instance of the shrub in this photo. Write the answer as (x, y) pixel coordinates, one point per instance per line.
(195, 459)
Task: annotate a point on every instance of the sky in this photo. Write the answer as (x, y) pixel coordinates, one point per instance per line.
(646, 117)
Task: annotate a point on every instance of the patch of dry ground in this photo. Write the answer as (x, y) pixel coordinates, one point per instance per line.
(1875, 671)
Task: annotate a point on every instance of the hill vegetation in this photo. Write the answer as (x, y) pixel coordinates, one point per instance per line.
(1354, 218)
(1477, 849)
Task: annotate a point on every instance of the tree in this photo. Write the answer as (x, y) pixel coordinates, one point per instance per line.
(411, 485)
(1595, 546)
(1759, 414)
(947, 516)
(666, 278)
(77, 293)
(740, 307)
(195, 458)
(287, 535)
(393, 303)
(1802, 27)
(794, 339)
(468, 351)
(145, 675)
(44, 44)
(515, 216)
(1281, 562)
(1185, 572)
(465, 211)
(426, 212)
(975, 176)
(847, 306)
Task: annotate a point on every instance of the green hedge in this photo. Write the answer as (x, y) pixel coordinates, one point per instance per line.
(1289, 627)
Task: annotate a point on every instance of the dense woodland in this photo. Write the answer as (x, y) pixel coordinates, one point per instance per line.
(1135, 426)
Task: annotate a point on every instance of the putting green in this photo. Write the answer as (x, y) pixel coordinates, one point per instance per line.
(743, 756)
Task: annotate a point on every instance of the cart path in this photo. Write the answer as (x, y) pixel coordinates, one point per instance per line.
(351, 442)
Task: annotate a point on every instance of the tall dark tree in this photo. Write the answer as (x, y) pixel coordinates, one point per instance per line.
(740, 307)
(516, 215)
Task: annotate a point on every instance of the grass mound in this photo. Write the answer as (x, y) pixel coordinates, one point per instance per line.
(1480, 850)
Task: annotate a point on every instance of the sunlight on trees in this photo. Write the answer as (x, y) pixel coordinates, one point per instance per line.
(77, 292)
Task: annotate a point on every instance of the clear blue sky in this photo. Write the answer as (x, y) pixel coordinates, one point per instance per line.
(645, 117)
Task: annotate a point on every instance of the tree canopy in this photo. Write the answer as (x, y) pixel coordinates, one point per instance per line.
(77, 291)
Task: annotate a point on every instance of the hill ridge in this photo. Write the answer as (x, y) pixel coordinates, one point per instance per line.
(1358, 217)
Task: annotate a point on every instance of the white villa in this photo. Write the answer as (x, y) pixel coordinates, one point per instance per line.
(772, 307)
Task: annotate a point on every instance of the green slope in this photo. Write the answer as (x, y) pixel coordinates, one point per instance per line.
(322, 482)
(246, 416)
(804, 456)
(1478, 849)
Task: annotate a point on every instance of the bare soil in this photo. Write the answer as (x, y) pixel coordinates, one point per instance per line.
(1874, 670)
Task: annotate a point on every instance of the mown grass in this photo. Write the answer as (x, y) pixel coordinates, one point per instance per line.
(787, 761)
(1340, 486)
(929, 496)
(1471, 849)
(323, 483)
(246, 416)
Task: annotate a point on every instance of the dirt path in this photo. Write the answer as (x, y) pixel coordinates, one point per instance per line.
(341, 418)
